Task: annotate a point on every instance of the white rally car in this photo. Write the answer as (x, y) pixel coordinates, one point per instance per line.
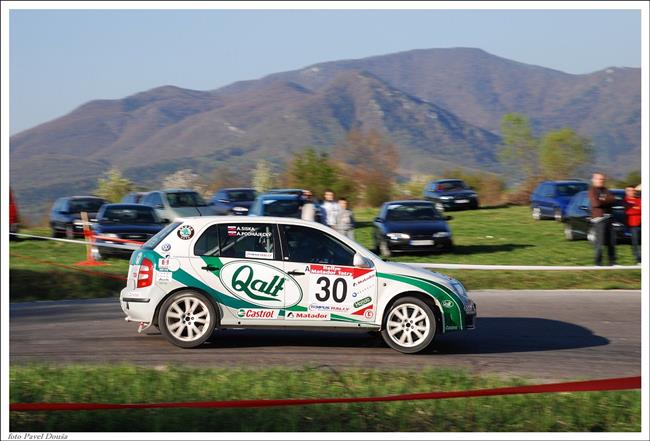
(203, 273)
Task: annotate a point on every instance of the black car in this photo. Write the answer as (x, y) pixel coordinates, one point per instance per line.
(233, 201)
(451, 194)
(124, 221)
(577, 221)
(407, 226)
(65, 216)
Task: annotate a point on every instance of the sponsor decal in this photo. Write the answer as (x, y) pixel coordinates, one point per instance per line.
(260, 284)
(258, 255)
(447, 303)
(164, 276)
(165, 247)
(247, 230)
(168, 264)
(369, 314)
(299, 315)
(328, 308)
(258, 314)
(364, 301)
(363, 311)
(185, 232)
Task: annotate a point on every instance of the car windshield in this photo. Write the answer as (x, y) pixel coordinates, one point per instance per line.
(185, 199)
(451, 185)
(131, 215)
(241, 195)
(282, 208)
(412, 212)
(88, 205)
(571, 189)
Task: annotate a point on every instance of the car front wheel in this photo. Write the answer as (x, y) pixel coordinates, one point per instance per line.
(409, 325)
(187, 319)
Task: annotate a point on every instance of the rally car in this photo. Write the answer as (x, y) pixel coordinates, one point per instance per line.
(204, 273)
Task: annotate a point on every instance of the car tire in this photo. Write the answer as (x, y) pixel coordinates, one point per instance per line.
(568, 232)
(384, 249)
(536, 212)
(409, 325)
(557, 215)
(179, 315)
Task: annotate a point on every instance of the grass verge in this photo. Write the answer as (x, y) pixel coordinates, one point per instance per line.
(591, 411)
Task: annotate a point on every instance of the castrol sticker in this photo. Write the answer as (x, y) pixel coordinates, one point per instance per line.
(257, 314)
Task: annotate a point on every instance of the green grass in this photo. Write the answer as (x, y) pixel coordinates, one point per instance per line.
(506, 236)
(592, 411)
(509, 236)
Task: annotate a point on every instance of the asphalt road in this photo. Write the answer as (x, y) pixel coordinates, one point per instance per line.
(536, 334)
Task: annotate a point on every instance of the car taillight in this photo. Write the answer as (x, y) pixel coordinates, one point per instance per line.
(145, 274)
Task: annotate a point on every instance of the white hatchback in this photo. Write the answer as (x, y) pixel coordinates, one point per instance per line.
(203, 273)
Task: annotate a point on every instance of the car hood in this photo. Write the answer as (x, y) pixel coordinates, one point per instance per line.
(416, 227)
(409, 270)
(117, 228)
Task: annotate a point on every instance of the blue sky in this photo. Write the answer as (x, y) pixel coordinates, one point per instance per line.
(60, 59)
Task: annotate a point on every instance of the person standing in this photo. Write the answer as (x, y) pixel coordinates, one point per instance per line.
(345, 220)
(331, 208)
(633, 217)
(601, 201)
(308, 210)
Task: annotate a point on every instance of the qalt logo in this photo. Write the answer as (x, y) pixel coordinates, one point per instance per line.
(185, 232)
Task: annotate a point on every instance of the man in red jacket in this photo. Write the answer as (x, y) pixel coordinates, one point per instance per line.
(633, 215)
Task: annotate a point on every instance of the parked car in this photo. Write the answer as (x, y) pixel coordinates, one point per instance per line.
(551, 198)
(65, 216)
(235, 201)
(14, 219)
(451, 194)
(320, 211)
(247, 272)
(124, 221)
(577, 221)
(292, 191)
(279, 205)
(173, 203)
(407, 226)
(133, 198)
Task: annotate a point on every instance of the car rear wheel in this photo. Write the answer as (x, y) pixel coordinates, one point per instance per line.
(568, 232)
(409, 325)
(536, 213)
(187, 319)
(384, 250)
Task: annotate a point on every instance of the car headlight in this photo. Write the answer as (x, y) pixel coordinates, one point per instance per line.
(239, 209)
(109, 235)
(442, 234)
(398, 236)
(78, 222)
(446, 198)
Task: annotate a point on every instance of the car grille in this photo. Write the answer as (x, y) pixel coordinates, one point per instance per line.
(135, 236)
(421, 236)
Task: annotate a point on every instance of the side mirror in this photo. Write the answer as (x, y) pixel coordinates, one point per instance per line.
(448, 218)
(379, 220)
(159, 206)
(361, 262)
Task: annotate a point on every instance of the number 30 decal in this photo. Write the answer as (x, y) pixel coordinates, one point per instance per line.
(339, 289)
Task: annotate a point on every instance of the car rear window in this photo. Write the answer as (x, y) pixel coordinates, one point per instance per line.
(89, 205)
(282, 208)
(571, 189)
(185, 199)
(159, 236)
(241, 195)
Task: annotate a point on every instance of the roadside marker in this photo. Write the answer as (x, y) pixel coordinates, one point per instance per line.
(88, 237)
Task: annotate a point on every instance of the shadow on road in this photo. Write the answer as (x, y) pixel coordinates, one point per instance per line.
(493, 335)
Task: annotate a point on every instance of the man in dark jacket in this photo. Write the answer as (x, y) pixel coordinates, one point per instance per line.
(601, 201)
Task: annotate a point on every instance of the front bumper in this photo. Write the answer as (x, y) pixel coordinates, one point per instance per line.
(454, 204)
(405, 245)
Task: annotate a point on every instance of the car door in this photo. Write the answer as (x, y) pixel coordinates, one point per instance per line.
(241, 261)
(335, 292)
(546, 201)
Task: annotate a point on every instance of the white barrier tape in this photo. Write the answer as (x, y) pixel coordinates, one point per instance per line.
(419, 265)
(80, 242)
(520, 267)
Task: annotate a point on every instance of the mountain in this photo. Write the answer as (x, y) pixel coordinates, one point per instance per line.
(440, 106)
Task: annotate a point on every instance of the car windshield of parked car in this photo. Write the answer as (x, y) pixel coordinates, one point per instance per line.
(241, 195)
(412, 212)
(135, 215)
(571, 189)
(282, 208)
(87, 205)
(185, 199)
(451, 186)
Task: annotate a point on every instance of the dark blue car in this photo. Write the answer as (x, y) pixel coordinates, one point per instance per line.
(65, 216)
(451, 194)
(280, 205)
(233, 201)
(408, 226)
(124, 221)
(551, 198)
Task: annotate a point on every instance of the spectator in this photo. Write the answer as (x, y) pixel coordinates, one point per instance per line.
(331, 208)
(601, 201)
(308, 211)
(633, 216)
(345, 219)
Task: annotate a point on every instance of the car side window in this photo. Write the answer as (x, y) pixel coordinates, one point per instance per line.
(309, 245)
(247, 241)
(208, 243)
(156, 199)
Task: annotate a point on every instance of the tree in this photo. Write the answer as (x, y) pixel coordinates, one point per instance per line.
(562, 153)
(315, 171)
(520, 147)
(185, 178)
(263, 176)
(113, 186)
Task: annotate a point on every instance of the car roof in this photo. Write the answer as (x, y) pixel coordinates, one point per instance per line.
(450, 180)
(408, 201)
(82, 197)
(178, 190)
(199, 221)
(567, 181)
(127, 205)
(279, 196)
